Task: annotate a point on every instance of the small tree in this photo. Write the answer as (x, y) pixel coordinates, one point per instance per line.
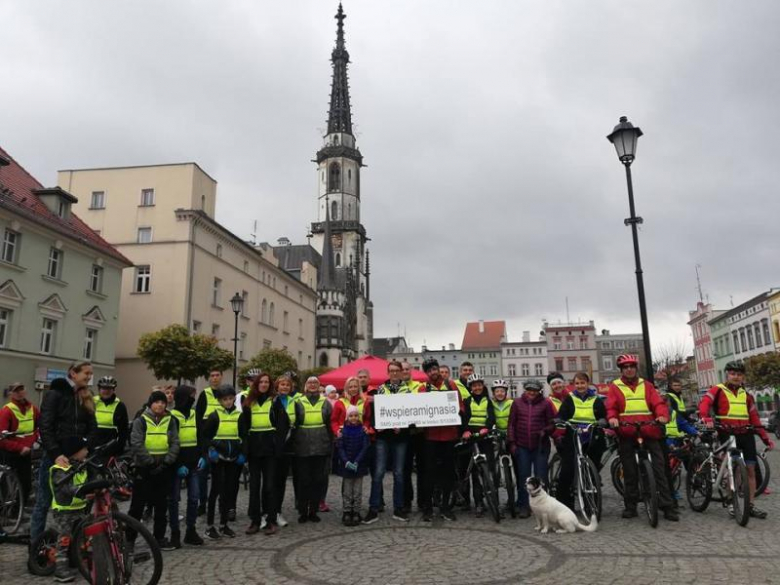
(173, 353)
(763, 371)
(271, 361)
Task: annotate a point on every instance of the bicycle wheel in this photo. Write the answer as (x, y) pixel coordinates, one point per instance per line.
(140, 562)
(648, 491)
(508, 472)
(42, 553)
(740, 497)
(763, 473)
(553, 471)
(588, 490)
(616, 473)
(489, 490)
(11, 506)
(698, 482)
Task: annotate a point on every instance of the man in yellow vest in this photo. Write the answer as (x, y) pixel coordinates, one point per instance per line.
(111, 417)
(730, 405)
(632, 399)
(206, 404)
(465, 372)
(154, 443)
(19, 416)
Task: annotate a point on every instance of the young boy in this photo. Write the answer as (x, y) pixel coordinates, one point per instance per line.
(501, 405)
(352, 449)
(67, 504)
(223, 435)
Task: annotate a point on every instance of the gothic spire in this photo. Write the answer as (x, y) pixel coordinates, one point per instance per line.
(326, 279)
(340, 114)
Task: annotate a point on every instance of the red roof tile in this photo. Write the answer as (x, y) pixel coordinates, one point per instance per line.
(493, 333)
(17, 192)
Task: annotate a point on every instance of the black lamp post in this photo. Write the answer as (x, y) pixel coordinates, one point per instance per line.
(237, 303)
(624, 137)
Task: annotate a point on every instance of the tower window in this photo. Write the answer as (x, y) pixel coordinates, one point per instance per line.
(334, 177)
(338, 259)
(334, 211)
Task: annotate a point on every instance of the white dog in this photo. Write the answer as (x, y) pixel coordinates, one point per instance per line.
(550, 513)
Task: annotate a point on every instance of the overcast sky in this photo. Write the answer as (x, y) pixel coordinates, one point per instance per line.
(490, 191)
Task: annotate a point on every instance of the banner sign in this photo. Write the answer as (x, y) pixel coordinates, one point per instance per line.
(427, 409)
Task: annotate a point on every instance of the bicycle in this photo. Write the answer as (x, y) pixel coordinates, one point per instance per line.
(587, 476)
(763, 472)
(505, 474)
(678, 460)
(722, 465)
(11, 496)
(484, 474)
(100, 547)
(647, 488)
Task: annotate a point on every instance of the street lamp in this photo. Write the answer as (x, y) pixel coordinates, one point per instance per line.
(237, 303)
(624, 137)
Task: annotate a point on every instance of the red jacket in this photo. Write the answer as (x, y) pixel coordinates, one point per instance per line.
(8, 422)
(616, 404)
(450, 433)
(339, 414)
(715, 399)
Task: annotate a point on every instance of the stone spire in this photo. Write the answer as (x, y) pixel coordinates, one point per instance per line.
(340, 114)
(326, 279)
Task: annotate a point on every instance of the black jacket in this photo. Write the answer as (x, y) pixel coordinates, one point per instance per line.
(270, 443)
(62, 417)
(122, 432)
(228, 449)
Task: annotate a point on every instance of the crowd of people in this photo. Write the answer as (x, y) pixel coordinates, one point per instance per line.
(274, 428)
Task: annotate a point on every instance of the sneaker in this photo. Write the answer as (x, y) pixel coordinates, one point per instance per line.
(401, 516)
(212, 533)
(757, 513)
(525, 512)
(176, 539)
(448, 515)
(670, 514)
(324, 506)
(767, 492)
(165, 544)
(371, 517)
(346, 519)
(64, 575)
(263, 522)
(427, 517)
(629, 513)
(281, 521)
(303, 518)
(253, 529)
(227, 531)
(479, 511)
(731, 510)
(192, 537)
(231, 515)
(270, 529)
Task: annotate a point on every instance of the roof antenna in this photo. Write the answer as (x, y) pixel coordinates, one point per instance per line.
(568, 319)
(698, 283)
(254, 234)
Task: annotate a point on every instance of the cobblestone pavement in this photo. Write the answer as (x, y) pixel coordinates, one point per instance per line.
(702, 548)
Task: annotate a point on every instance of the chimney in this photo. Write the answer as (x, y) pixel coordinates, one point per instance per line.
(444, 348)
(481, 326)
(526, 336)
(452, 347)
(424, 348)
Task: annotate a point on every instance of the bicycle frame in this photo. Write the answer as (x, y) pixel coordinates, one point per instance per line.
(730, 448)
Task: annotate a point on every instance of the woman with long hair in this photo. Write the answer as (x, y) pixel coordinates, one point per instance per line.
(283, 387)
(267, 431)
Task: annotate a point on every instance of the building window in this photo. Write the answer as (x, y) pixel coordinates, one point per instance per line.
(266, 343)
(90, 342)
(241, 344)
(586, 366)
(143, 279)
(219, 250)
(48, 331)
(524, 370)
(538, 369)
(5, 326)
(215, 330)
(264, 311)
(147, 197)
(96, 279)
(246, 266)
(749, 337)
(55, 263)
(736, 342)
(10, 246)
(572, 364)
(216, 292)
(98, 200)
(557, 345)
(757, 331)
(512, 370)
(584, 342)
(607, 361)
(338, 259)
(62, 209)
(300, 327)
(271, 315)
(493, 370)
(765, 327)
(334, 177)
(144, 235)
(559, 364)
(196, 325)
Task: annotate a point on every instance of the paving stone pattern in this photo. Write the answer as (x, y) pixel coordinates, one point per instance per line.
(704, 548)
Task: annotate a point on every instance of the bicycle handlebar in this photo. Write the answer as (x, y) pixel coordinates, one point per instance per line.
(88, 462)
(7, 434)
(565, 424)
(642, 423)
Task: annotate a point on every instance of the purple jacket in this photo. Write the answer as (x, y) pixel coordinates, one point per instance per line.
(530, 422)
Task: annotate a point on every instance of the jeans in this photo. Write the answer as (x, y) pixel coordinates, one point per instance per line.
(383, 450)
(526, 460)
(42, 499)
(192, 482)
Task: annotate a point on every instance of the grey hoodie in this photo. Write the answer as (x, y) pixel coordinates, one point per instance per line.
(138, 449)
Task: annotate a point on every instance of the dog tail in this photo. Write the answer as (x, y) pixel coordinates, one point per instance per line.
(591, 527)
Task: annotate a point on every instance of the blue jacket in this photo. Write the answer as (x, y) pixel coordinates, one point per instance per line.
(353, 447)
(682, 421)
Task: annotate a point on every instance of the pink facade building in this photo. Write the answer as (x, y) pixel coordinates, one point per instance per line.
(706, 373)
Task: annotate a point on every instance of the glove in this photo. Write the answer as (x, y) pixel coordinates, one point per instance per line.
(466, 435)
(240, 460)
(770, 444)
(201, 464)
(483, 432)
(182, 472)
(352, 466)
(213, 455)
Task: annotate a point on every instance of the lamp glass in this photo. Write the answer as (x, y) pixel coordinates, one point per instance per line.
(237, 302)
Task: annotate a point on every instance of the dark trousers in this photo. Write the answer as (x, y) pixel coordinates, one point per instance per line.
(594, 449)
(23, 468)
(262, 484)
(236, 485)
(283, 465)
(311, 477)
(154, 490)
(203, 483)
(485, 447)
(414, 453)
(223, 478)
(192, 483)
(667, 469)
(626, 450)
(439, 457)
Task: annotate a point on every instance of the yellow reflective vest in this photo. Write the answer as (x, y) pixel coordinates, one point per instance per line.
(313, 413)
(672, 430)
(261, 417)
(556, 402)
(212, 403)
(78, 480)
(463, 389)
(228, 424)
(479, 412)
(738, 407)
(583, 409)
(156, 441)
(188, 431)
(26, 420)
(501, 411)
(636, 400)
(104, 413)
(346, 402)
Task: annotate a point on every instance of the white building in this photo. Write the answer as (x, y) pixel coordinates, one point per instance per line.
(522, 361)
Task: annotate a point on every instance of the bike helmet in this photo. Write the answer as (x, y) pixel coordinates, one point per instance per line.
(253, 373)
(735, 367)
(107, 382)
(429, 364)
(474, 378)
(627, 360)
(499, 384)
(532, 385)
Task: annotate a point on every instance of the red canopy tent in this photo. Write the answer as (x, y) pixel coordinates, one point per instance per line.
(377, 368)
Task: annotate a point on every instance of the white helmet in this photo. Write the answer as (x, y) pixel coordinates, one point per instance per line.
(499, 384)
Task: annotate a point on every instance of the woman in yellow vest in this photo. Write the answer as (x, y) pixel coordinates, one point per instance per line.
(284, 387)
(19, 416)
(223, 443)
(480, 418)
(111, 416)
(313, 445)
(154, 443)
(582, 407)
(268, 426)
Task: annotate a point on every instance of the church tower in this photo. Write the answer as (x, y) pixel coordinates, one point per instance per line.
(338, 233)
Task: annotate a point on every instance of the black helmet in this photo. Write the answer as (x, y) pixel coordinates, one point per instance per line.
(429, 364)
(735, 367)
(107, 382)
(532, 385)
